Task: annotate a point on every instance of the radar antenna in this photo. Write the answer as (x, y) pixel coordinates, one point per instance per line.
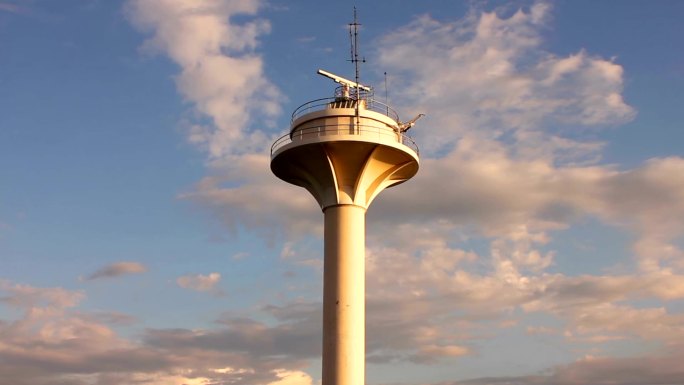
(343, 81)
(346, 83)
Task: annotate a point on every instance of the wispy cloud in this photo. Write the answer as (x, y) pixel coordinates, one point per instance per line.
(221, 72)
(12, 8)
(26, 296)
(659, 369)
(199, 282)
(116, 270)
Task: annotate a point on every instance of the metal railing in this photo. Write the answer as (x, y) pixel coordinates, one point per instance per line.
(325, 103)
(345, 129)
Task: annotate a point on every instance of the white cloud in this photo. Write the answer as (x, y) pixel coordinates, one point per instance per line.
(52, 344)
(488, 84)
(504, 161)
(199, 282)
(221, 73)
(245, 193)
(290, 377)
(490, 76)
(496, 195)
(27, 297)
(427, 354)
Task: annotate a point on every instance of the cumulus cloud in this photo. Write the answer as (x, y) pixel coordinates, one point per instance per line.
(53, 344)
(222, 76)
(26, 297)
(221, 72)
(483, 138)
(491, 93)
(78, 349)
(659, 369)
(199, 282)
(489, 76)
(292, 377)
(415, 305)
(504, 162)
(116, 270)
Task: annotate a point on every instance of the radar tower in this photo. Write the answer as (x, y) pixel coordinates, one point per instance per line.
(344, 151)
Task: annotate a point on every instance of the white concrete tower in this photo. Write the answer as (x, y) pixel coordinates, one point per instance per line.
(345, 150)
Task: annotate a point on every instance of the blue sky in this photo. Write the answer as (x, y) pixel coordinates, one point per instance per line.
(144, 240)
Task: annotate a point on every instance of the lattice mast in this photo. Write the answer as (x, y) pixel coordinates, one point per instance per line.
(354, 55)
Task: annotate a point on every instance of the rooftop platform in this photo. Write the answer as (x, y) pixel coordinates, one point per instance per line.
(332, 119)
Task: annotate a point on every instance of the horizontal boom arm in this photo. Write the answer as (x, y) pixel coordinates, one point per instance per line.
(341, 80)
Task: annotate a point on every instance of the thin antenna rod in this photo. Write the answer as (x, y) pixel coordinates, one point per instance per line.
(355, 59)
(355, 44)
(386, 95)
(352, 50)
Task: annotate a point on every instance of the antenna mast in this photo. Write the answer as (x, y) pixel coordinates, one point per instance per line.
(354, 40)
(386, 96)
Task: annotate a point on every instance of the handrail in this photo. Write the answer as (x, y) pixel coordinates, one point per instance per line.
(344, 129)
(324, 103)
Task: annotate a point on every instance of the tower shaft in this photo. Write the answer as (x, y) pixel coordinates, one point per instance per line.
(344, 296)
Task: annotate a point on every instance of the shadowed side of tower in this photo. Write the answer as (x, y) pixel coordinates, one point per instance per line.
(344, 151)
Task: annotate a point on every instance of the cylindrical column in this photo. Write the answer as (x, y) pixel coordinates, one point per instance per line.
(344, 296)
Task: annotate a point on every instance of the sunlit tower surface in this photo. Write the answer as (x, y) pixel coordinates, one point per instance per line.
(345, 150)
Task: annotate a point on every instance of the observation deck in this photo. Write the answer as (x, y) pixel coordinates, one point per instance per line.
(339, 107)
(345, 150)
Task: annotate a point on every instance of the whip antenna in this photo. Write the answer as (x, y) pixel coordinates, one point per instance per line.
(354, 38)
(386, 95)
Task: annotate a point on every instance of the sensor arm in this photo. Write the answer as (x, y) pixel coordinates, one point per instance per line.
(343, 81)
(403, 127)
